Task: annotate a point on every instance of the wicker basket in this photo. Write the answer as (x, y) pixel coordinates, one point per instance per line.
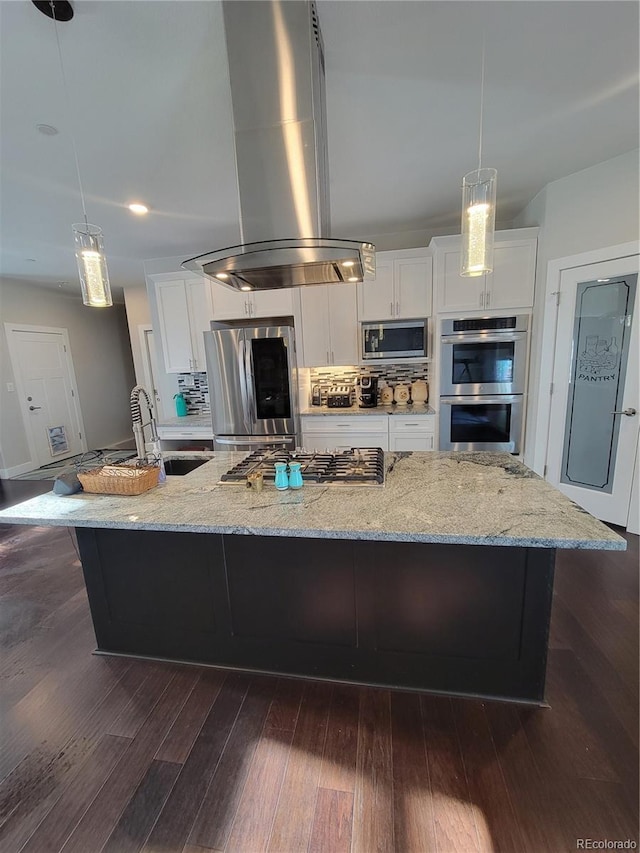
(119, 479)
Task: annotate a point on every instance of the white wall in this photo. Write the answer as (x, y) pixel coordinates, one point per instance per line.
(591, 209)
(102, 362)
(138, 314)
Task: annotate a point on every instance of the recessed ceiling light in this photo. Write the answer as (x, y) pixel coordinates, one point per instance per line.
(222, 275)
(47, 129)
(138, 209)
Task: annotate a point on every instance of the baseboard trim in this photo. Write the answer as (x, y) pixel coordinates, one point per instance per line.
(125, 444)
(16, 470)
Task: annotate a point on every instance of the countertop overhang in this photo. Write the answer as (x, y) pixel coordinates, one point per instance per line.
(445, 498)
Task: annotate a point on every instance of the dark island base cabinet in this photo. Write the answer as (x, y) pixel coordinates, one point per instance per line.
(456, 619)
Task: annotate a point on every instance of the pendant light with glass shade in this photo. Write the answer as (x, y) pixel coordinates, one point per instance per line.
(478, 209)
(89, 243)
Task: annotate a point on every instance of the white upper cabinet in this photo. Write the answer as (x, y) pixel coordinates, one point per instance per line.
(231, 304)
(402, 288)
(228, 304)
(329, 325)
(272, 303)
(376, 298)
(510, 285)
(185, 309)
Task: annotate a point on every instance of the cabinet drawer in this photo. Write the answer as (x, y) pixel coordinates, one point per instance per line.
(338, 423)
(417, 423)
(344, 440)
(169, 433)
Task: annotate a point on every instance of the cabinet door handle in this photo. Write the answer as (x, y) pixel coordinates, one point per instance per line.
(488, 298)
(397, 309)
(391, 308)
(482, 299)
(328, 362)
(195, 363)
(333, 360)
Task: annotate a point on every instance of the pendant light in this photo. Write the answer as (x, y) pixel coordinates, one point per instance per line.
(478, 209)
(89, 244)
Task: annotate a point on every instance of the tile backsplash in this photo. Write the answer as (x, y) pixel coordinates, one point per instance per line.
(392, 374)
(195, 390)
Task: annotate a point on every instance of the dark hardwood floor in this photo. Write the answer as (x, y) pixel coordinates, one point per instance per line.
(110, 754)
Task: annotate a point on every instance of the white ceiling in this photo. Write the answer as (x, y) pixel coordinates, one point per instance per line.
(150, 107)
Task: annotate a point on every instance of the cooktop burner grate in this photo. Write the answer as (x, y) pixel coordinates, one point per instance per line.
(358, 465)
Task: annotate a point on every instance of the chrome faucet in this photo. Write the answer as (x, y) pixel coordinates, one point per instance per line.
(136, 418)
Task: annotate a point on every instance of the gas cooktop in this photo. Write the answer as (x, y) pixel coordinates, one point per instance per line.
(358, 465)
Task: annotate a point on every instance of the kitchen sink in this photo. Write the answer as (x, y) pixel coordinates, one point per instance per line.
(179, 467)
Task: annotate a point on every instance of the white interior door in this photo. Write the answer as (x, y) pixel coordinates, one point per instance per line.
(46, 385)
(593, 434)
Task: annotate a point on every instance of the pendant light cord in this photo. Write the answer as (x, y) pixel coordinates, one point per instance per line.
(481, 105)
(68, 111)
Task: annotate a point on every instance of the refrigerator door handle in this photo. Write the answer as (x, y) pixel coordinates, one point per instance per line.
(243, 385)
(250, 385)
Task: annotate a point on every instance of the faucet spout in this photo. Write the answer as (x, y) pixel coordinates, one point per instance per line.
(136, 418)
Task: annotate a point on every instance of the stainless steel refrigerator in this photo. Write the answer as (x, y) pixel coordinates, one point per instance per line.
(252, 376)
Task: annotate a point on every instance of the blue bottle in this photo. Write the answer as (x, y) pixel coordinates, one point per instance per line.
(295, 475)
(181, 405)
(282, 480)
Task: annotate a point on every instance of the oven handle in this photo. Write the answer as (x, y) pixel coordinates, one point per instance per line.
(484, 339)
(480, 401)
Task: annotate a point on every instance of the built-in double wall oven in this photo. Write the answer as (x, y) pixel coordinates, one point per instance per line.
(482, 383)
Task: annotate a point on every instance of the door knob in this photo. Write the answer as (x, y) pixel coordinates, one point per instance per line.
(33, 408)
(628, 412)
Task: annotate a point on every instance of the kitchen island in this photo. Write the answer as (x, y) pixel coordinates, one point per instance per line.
(439, 580)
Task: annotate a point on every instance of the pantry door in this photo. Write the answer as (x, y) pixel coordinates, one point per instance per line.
(47, 391)
(593, 433)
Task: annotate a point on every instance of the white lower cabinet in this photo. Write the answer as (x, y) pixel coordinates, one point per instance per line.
(412, 433)
(342, 432)
(177, 438)
(395, 432)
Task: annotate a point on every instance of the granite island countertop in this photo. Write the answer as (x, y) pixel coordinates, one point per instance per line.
(447, 498)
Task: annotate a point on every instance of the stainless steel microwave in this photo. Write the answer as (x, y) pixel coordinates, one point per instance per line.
(390, 340)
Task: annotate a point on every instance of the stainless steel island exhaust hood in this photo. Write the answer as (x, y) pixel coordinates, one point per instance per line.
(276, 70)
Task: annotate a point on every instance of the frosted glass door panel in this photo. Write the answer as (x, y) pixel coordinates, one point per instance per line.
(601, 334)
